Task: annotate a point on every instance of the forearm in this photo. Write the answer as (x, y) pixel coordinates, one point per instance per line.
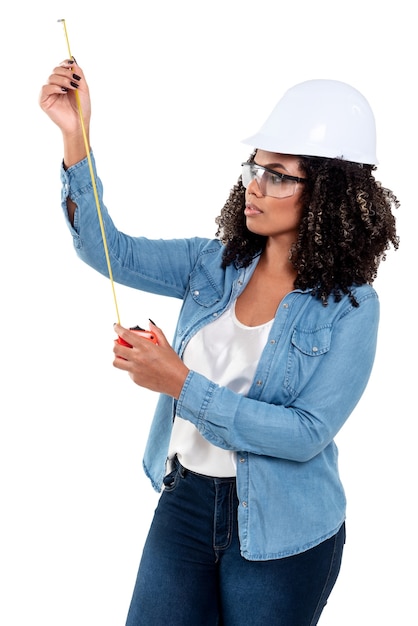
(75, 147)
(75, 150)
(235, 422)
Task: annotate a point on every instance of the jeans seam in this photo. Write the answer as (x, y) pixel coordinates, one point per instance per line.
(317, 614)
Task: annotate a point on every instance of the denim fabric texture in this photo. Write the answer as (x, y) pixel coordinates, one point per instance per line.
(311, 375)
(192, 571)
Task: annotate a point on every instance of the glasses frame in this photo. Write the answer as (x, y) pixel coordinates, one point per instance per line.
(296, 179)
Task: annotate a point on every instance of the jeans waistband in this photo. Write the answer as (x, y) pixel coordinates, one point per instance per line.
(184, 471)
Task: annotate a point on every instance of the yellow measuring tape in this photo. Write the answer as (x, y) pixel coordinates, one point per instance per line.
(93, 181)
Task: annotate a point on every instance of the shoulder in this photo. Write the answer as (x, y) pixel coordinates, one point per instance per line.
(208, 252)
(367, 306)
(210, 246)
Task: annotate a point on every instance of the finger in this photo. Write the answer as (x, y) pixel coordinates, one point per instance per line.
(68, 79)
(121, 333)
(122, 354)
(134, 337)
(51, 90)
(161, 338)
(71, 64)
(120, 344)
(66, 75)
(56, 87)
(126, 341)
(121, 363)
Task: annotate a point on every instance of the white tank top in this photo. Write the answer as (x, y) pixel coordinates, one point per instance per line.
(227, 353)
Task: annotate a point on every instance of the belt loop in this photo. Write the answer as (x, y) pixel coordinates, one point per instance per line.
(182, 470)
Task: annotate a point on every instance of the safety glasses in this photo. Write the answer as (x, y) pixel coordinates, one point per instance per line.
(270, 183)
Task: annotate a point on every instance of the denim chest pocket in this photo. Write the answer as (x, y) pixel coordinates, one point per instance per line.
(203, 288)
(307, 349)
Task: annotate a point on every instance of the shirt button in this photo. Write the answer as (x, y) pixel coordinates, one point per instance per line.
(285, 306)
(259, 383)
(196, 293)
(314, 349)
(242, 460)
(244, 504)
(214, 315)
(272, 341)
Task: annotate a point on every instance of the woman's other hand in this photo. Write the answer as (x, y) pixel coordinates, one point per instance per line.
(155, 367)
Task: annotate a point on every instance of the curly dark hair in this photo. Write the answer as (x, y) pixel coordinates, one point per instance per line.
(347, 226)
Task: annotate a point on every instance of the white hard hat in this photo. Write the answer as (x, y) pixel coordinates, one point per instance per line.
(325, 118)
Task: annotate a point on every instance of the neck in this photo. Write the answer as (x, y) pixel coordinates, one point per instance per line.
(275, 259)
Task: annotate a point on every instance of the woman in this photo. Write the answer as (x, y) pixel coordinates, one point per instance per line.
(274, 347)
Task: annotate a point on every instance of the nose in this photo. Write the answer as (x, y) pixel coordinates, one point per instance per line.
(254, 188)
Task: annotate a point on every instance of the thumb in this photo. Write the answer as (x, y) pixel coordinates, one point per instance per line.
(161, 338)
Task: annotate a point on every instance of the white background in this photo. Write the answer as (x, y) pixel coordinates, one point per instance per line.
(175, 87)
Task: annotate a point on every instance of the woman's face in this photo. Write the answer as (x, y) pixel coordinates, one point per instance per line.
(271, 216)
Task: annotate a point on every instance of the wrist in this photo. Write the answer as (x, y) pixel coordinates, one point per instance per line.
(75, 149)
(178, 383)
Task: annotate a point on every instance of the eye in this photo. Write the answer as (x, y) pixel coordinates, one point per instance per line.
(274, 179)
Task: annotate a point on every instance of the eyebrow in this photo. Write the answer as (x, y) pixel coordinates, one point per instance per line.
(272, 165)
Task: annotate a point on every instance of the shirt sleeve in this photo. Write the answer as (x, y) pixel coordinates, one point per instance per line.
(157, 266)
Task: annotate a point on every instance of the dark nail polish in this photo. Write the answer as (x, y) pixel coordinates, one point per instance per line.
(64, 89)
(153, 323)
(73, 84)
(77, 77)
(73, 60)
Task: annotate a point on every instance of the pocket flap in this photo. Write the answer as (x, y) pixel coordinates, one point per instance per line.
(312, 342)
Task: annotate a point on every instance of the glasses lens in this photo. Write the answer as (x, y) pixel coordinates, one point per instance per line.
(269, 183)
(247, 174)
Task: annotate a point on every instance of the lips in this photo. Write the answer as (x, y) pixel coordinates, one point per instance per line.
(251, 209)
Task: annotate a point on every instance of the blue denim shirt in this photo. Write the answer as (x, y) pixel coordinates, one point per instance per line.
(312, 372)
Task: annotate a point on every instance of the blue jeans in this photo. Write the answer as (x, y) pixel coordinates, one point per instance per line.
(192, 574)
